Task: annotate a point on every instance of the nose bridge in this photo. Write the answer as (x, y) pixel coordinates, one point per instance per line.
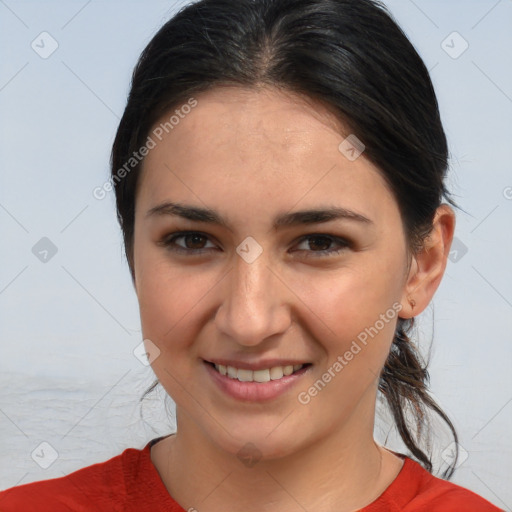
(253, 305)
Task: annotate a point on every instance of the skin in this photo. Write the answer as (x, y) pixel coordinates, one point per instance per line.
(251, 155)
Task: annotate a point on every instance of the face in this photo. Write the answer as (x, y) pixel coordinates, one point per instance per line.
(296, 257)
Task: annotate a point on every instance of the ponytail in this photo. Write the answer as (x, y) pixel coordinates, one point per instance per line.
(404, 383)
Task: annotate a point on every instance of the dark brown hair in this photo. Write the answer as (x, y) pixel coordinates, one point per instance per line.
(348, 54)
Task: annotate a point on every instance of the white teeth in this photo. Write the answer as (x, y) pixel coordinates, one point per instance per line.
(261, 375)
(288, 370)
(245, 375)
(276, 372)
(266, 375)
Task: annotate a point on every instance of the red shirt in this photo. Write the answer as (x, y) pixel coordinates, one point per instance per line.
(130, 482)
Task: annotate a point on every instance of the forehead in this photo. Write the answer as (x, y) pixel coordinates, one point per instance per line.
(248, 145)
(240, 122)
(266, 108)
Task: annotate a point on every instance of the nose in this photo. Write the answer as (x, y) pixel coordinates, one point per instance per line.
(254, 303)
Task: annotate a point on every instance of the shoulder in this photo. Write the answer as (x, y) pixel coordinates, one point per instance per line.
(416, 490)
(99, 487)
(446, 496)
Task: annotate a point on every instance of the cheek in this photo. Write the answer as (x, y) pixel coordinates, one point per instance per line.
(169, 299)
(347, 301)
(353, 319)
(167, 307)
(171, 317)
(352, 315)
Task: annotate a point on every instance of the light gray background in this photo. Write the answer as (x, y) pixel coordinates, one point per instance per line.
(69, 325)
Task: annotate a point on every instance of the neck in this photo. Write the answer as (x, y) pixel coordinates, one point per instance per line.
(341, 472)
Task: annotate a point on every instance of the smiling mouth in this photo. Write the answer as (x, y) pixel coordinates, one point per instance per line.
(263, 375)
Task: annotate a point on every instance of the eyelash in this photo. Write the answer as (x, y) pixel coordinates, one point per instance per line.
(169, 241)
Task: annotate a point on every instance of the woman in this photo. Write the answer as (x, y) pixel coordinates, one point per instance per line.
(279, 175)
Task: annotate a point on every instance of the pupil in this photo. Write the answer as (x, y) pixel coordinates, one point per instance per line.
(326, 242)
(196, 241)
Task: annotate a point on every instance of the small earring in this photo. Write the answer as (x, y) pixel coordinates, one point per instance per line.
(412, 303)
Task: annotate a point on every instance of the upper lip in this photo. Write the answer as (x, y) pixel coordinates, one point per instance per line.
(258, 365)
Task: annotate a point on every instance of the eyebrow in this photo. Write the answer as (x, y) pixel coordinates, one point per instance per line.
(207, 215)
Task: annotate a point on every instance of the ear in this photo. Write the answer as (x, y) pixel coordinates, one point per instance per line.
(428, 264)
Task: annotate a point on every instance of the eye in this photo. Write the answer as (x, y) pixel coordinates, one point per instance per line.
(321, 245)
(192, 242)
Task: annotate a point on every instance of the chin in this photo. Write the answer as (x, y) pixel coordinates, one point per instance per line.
(257, 441)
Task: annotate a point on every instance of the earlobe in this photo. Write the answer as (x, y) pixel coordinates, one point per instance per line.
(429, 264)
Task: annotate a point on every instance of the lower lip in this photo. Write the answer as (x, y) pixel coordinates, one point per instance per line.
(254, 391)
